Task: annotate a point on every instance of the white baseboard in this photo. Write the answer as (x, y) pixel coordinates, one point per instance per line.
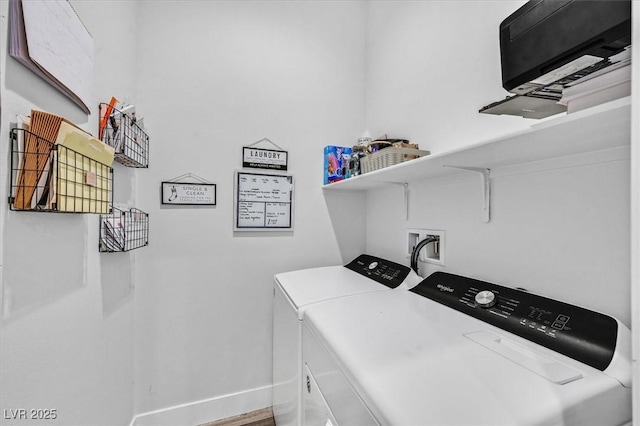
(208, 410)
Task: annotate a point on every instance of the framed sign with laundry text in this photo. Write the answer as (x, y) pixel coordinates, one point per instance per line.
(260, 158)
(189, 193)
(263, 202)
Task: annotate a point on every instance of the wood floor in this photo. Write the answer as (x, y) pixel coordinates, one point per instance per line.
(262, 417)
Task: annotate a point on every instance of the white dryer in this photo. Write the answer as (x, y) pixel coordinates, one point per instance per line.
(297, 290)
(458, 351)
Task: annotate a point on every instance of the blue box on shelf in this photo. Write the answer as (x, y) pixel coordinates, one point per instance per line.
(336, 163)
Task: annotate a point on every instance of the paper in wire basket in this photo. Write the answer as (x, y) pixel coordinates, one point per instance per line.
(123, 230)
(389, 157)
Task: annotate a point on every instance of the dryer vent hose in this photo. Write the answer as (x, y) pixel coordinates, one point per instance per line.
(415, 253)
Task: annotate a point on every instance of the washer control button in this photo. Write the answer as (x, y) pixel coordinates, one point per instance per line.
(486, 299)
(373, 265)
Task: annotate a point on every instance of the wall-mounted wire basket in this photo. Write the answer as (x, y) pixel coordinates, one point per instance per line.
(123, 230)
(121, 130)
(49, 177)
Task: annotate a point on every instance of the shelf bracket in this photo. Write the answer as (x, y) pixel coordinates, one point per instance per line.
(405, 185)
(485, 174)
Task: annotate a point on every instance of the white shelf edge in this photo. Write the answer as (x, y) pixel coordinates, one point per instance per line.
(538, 142)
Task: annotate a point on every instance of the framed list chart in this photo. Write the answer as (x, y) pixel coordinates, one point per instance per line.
(264, 202)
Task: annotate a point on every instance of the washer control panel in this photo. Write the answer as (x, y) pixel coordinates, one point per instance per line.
(380, 270)
(582, 334)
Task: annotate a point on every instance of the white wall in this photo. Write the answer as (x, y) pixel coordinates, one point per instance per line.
(67, 311)
(431, 65)
(559, 228)
(214, 77)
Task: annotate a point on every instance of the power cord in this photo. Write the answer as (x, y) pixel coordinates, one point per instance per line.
(415, 253)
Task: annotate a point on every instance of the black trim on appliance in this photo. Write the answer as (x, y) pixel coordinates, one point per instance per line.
(584, 335)
(380, 270)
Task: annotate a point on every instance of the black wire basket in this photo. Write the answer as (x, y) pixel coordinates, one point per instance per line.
(123, 230)
(49, 177)
(121, 130)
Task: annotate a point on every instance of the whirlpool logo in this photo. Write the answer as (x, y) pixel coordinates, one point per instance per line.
(444, 288)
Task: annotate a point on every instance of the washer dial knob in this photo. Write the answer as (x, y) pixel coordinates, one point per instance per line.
(486, 299)
(373, 265)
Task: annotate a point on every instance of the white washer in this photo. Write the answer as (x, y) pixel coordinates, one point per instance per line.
(457, 351)
(294, 292)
